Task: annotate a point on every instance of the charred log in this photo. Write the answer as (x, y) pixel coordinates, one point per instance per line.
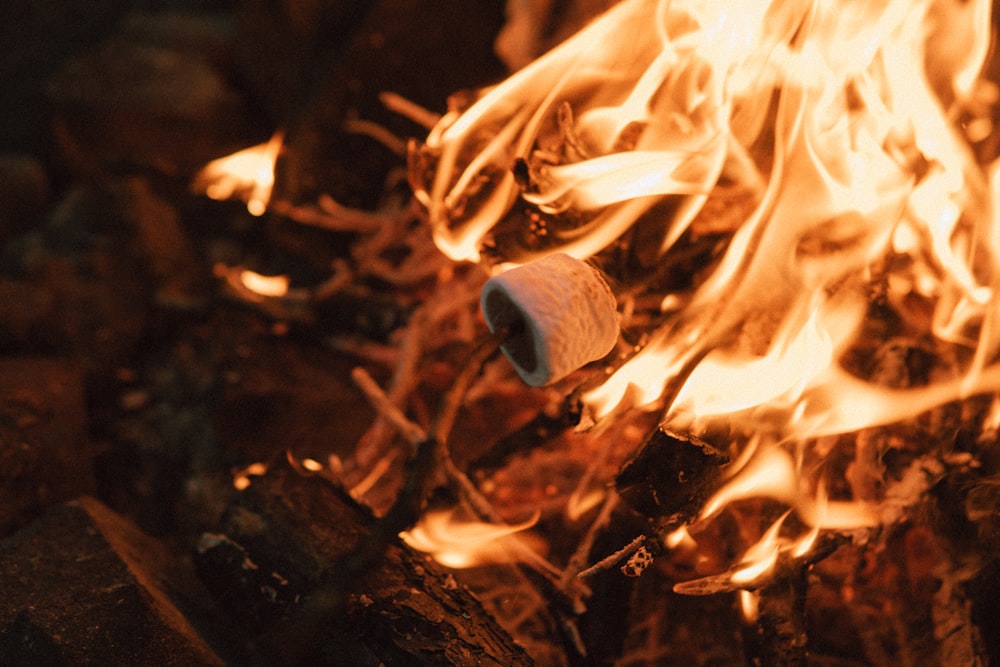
(82, 585)
(671, 474)
(286, 558)
(779, 635)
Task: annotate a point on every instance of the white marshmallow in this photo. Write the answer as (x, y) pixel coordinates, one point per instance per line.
(559, 314)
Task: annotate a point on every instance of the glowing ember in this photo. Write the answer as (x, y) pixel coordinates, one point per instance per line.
(247, 175)
(241, 478)
(836, 121)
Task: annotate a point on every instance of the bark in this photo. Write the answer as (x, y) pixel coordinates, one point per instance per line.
(287, 557)
(83, 586)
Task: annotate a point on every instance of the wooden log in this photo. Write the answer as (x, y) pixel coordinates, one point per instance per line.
(779, 635)
(670, 475)
(286, 562)
(83, 586)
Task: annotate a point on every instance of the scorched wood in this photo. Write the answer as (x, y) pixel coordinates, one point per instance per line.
(285, 562)
(671, 475)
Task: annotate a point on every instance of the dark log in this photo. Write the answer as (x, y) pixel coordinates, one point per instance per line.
(25, 194)
(779, 635)
(285, 561)
(421, 50)
(38, 36)
(671, 474)
(83, 586)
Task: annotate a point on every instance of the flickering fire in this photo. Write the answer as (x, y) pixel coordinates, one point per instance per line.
(241, 477)
(247, 175)
(460, 543)
(264, 285)
(839, 122)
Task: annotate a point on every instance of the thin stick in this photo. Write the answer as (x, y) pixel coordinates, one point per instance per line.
(371, 445)
(377, 132)
(452, 400)
(385, 407)
(409, 109)
(611, 561)
(333, 217)
(579, 557)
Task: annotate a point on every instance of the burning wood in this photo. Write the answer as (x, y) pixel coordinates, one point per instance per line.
(295, 536)
(756, 347)
(778, 194)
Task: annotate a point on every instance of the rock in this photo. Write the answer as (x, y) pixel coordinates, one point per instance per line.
(182, 281)
(73, 288)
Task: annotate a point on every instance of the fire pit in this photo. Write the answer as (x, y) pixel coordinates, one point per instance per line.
(675, 344)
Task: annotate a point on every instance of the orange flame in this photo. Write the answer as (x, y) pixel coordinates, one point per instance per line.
(838, 117)
(257, 283)
(247, 175)
(459, 543)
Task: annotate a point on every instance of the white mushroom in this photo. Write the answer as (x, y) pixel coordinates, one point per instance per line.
(557, 314)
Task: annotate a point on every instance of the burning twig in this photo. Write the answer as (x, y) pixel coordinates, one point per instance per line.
(614, 559)
(574, 568)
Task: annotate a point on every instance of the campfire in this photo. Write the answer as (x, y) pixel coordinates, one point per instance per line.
(678, 344)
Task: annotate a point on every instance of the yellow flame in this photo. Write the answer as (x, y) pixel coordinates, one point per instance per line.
(862, 148)
(312, 465)
(679, 537)
(749, 605)
(241, 478)
(247, 175)
(838, 117)
(761, 557)
(274, 286)
(460, 543)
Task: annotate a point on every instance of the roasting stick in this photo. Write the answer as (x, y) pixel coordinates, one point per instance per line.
(418, 438)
